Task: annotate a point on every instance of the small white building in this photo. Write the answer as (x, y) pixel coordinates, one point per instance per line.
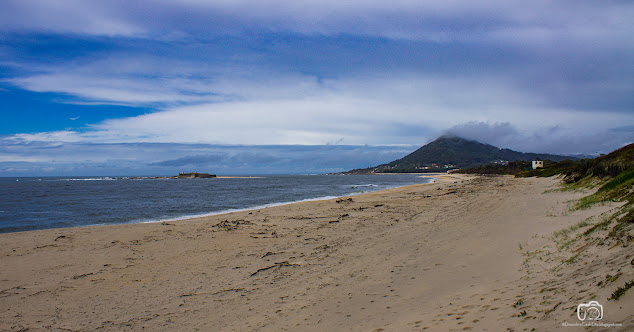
(538, 164)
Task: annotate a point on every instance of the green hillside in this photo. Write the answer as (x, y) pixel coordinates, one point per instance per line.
(614, 164)
(447, 153)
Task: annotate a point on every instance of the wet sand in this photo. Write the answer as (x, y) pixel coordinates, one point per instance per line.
(465, 253)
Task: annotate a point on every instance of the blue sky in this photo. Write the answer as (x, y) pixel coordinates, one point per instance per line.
(154, 87)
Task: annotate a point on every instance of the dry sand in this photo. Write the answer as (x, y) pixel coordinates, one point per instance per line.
(465, 253)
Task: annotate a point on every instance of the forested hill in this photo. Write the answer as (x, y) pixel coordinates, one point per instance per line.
(454, 152)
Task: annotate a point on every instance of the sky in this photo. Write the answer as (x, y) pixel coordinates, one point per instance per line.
(258, 87)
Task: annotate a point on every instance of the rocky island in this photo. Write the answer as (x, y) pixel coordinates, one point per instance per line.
(195, 176)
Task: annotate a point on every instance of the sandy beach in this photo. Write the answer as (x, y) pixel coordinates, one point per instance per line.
(464, 253)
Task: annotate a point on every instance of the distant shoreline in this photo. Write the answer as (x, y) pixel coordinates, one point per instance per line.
(238, 177)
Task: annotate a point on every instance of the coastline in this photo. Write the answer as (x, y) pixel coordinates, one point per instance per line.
(247, 209)
(107, 202)
(446, 255)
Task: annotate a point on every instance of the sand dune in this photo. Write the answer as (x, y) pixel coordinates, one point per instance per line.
(466, 253)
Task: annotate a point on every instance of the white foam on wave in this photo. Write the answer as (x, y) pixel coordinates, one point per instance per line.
(323, 198)
(361, 185)
(253, 208)
(257, 207)
(89, 179)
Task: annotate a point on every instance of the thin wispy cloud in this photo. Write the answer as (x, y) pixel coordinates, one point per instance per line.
(429, 20)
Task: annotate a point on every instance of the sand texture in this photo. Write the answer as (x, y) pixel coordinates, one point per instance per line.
(465, 253)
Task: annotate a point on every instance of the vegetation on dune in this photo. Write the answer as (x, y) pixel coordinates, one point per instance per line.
(614, 173)
(621, 290)
(512, 168)
(608, 179)
(615, 165)
(608, 236)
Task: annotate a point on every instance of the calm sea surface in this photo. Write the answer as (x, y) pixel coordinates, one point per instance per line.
(40, 203)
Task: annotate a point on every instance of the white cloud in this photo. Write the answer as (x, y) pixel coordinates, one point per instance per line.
(438, 21)
(146, 80)
(51, 136)
(105, 89)
(242, 104)
(560, 139)
(418, 20)
(363, 110)
(68, 16)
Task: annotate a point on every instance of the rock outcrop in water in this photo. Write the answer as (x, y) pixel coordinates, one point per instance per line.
(195, 176)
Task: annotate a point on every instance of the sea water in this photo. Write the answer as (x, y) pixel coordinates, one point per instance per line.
(54, 202)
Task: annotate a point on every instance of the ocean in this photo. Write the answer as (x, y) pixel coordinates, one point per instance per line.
(55, 202)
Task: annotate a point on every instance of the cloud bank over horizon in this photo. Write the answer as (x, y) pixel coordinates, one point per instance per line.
(539, 77)
(124, 159)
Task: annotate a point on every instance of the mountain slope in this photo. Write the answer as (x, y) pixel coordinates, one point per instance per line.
(455, 152)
